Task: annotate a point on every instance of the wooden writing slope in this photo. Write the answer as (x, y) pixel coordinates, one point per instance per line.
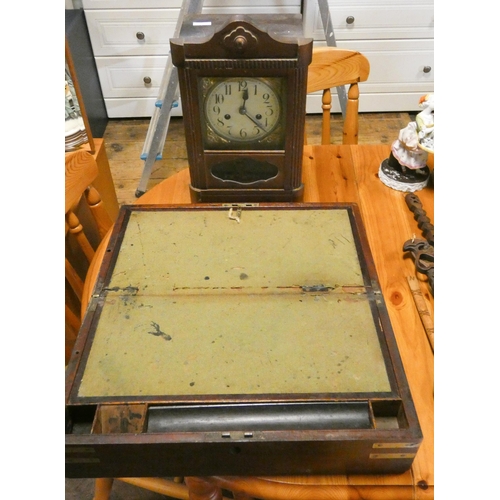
(238, 340)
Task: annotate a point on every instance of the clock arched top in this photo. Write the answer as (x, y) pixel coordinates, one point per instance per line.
(239, 37)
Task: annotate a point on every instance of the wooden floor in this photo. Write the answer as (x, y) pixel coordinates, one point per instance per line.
(125, 140)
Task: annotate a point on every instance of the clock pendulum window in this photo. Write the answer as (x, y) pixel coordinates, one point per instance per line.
(242, 82)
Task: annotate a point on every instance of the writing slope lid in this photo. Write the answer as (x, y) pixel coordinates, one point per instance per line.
(201, 303)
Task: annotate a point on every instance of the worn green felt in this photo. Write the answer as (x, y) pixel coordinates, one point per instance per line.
(202, 304)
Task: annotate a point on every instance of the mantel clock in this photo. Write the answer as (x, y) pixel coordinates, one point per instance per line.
(243, 87)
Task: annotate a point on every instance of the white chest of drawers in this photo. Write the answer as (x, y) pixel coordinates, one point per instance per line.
(130, 41)
(397, 37)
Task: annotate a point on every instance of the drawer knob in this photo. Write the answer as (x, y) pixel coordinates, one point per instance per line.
(140, 35)
(427, 69)
(147, 80)
(349, 20)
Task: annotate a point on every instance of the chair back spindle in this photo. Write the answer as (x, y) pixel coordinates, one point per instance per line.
(333, 67)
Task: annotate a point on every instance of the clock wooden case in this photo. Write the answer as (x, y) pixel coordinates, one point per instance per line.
(243, 85)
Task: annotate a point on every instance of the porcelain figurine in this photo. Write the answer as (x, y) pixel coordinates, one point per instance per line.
(425, 123)
(406, 168)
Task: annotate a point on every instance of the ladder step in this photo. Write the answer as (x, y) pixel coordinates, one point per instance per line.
(159, 104)
(144, 156)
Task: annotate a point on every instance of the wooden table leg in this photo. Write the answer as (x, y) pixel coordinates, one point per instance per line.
(103, 487)
(200, 489)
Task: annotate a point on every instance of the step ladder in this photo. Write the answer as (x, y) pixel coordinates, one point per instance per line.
(168, 95)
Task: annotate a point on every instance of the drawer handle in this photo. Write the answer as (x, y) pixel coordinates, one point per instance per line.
(349, 20)
(427, 69)
(140, 35)
(147, 80)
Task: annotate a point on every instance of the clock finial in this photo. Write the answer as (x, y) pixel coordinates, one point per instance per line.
(240, 40)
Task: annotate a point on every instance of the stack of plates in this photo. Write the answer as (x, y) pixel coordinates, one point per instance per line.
(75, 134)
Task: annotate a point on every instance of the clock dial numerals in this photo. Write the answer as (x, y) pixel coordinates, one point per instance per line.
(242, 109)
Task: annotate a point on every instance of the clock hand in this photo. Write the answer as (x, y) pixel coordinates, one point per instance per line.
(254, 120)
(243, 111)
(243, 108)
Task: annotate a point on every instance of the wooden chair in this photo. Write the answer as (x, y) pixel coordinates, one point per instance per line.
(334, 67)
(87, 221)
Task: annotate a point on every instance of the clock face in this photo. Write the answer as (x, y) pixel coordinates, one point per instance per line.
(243, 112)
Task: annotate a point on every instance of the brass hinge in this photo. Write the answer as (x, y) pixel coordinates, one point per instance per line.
(316, 288)
(392, 456)
(395, 445)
